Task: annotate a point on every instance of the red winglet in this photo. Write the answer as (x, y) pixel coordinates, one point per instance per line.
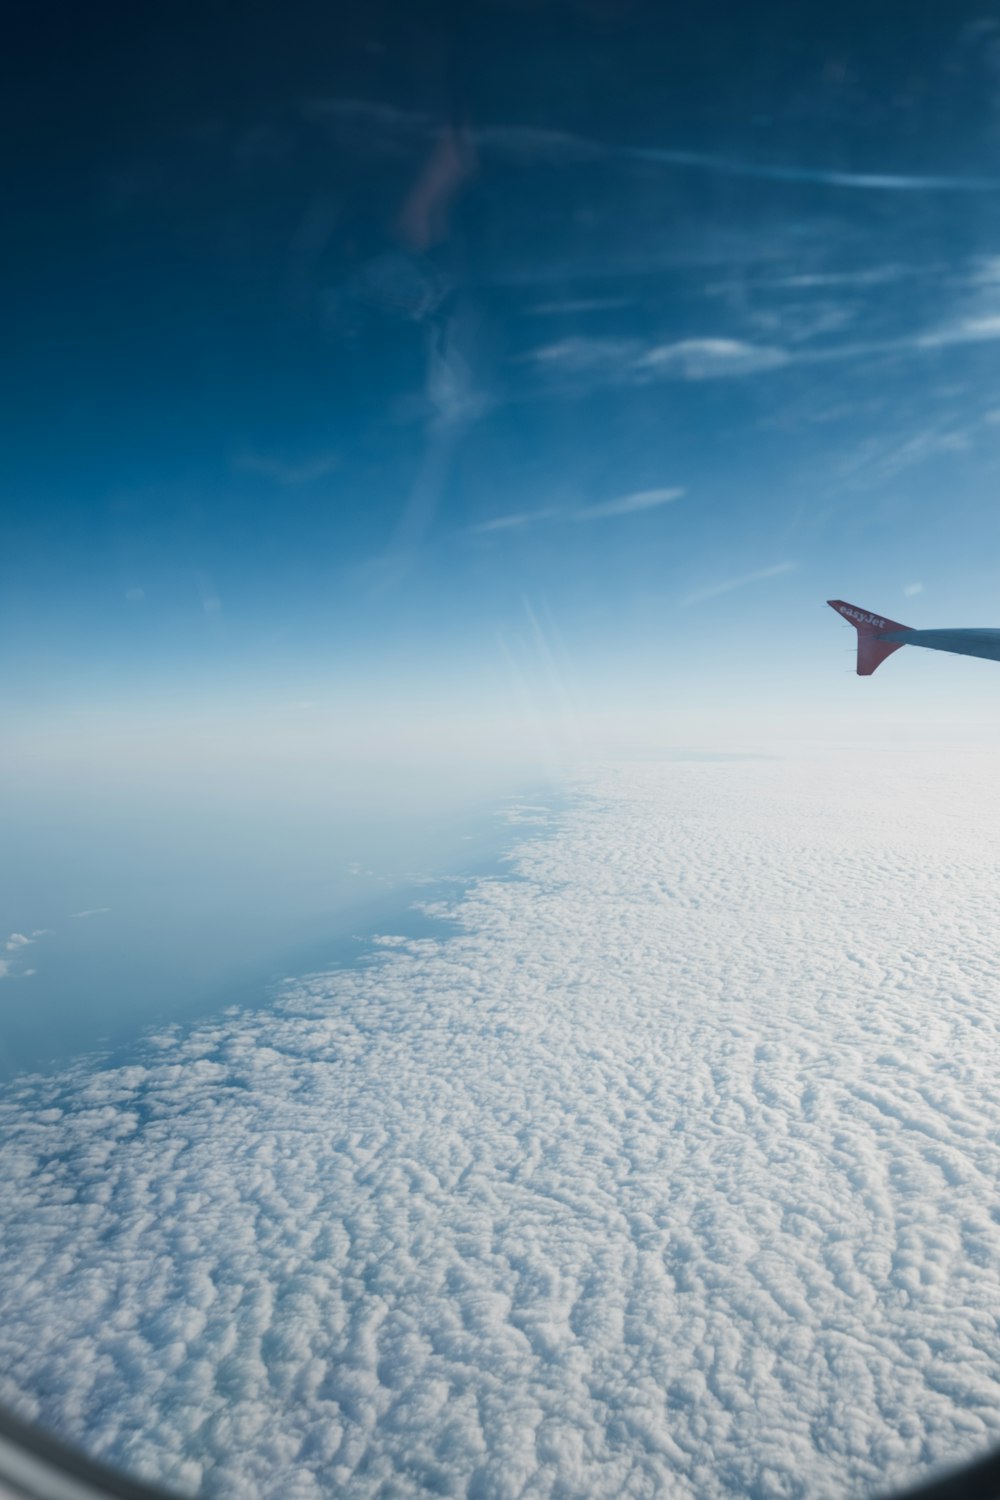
(872, 650)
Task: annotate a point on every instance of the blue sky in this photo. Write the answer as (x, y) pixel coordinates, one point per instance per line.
(336, 371)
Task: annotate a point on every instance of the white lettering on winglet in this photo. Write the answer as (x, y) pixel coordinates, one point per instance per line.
(863, 618)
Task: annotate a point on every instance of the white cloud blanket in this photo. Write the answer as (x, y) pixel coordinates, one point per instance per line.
(671, 1168)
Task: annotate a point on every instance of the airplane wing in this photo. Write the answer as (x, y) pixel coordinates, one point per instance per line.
(879, 637)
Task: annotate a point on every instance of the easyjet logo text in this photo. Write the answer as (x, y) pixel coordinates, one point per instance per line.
(864, 619)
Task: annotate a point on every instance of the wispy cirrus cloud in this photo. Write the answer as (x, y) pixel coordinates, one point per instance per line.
(711, 359)
(621, 505)
(629, 360)
(884, 458)
(861, 277)
(541, 145)
(569, 362)
(981, 329)
(515, 520)
(729, 585)
(950, 333)
(585, 354)
(891, 182)
(626, 505)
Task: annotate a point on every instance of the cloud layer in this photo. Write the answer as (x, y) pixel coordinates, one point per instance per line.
(672, 1168)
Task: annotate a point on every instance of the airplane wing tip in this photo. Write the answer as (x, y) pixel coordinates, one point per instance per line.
(873, 648)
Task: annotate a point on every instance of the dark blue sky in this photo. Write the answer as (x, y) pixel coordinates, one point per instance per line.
(340, 345)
